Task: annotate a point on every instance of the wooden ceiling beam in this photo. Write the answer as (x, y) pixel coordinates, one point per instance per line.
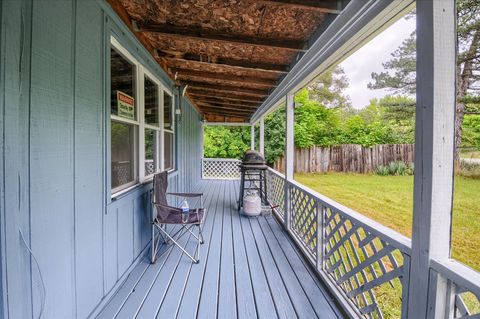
(226, 106)
(326, 6)
(226, 102)
(225, 88)
(195, 32)
(187, 73)
(214, 118)
(225, 96)
(225, 109)
(229, 63)
(226, 113)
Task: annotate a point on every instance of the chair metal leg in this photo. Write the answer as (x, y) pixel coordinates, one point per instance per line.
(200, 233)
(178, 245)
(153, 254)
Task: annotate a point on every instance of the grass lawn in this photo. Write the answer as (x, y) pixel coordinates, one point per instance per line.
(389, 200)
(470, 154)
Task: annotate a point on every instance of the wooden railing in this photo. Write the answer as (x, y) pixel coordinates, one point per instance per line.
(365, 264)
(357, 257)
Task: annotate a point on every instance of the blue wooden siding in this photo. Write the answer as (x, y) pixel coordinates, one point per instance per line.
(56, 206)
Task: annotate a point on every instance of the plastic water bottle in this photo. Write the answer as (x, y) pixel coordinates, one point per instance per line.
(185, 211)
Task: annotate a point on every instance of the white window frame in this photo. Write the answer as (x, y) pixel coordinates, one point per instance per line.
(157, 129)
(125, 54)
(141, 72)
(169, 131)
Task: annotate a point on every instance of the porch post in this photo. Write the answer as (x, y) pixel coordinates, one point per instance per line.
(252, 136)
(289, 154)
(434, 150)
(262, 135)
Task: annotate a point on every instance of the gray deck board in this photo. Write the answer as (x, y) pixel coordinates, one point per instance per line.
(248, 268)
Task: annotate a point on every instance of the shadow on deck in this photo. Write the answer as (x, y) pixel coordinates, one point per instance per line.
(249, 268)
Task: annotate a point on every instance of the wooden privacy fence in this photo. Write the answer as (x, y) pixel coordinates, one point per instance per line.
(347, 158)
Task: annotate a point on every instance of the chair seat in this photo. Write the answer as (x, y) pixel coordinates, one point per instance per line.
(193, 218)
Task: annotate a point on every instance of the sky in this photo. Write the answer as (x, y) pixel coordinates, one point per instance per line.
(359, 66)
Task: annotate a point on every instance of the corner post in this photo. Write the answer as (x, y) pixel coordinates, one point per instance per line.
(289, 154)
(252, 136)
(434, 154)
(262, 135)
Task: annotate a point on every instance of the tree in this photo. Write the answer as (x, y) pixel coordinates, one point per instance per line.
(328, 89)
(400, 70)
(226, 142)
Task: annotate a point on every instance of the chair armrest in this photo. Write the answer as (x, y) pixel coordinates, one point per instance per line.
(186, 194)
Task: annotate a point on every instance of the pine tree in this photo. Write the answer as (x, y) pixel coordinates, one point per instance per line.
(399, 75)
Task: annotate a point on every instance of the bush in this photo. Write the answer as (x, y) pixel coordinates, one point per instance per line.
(394, 168)
(469, 168)
(382, 171)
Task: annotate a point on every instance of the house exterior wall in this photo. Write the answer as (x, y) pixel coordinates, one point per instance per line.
(65, 244)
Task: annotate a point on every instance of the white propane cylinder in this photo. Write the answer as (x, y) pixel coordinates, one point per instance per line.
(252, 204)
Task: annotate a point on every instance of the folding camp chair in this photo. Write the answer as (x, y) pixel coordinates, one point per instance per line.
(168, 215)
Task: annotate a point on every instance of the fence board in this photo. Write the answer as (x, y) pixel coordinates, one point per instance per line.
(347, 158)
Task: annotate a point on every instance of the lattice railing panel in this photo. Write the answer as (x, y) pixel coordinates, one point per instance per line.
(467, 304)
(217, 168)
(361, 264)
(303, 217)
(276, 192)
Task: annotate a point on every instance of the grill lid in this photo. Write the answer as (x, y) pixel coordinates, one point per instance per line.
(253, 157)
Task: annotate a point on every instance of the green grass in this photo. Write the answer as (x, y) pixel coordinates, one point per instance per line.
(389, 200)
(470, 154)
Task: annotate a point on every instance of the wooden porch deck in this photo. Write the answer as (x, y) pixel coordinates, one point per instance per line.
(249, 268)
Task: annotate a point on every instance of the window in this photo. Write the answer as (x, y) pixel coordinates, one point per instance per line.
(169, 134)
(138, 120)
(124, 125)
(152, 126)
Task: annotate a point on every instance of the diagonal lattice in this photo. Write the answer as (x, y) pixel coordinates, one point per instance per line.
(467, 304)
(304, 219)
(217, 168)
(360, 263)
(276, 192)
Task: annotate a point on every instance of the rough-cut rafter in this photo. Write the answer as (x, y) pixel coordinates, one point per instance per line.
(227, 88)
(231, 54)
(226, 102)
(260, 67)
(187, 74)
(229, 97)
(326, 6)
(215, 82)
(225, 106)
(218, 111)
(197, 33)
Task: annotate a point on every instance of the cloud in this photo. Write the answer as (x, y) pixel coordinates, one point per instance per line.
(359, 66)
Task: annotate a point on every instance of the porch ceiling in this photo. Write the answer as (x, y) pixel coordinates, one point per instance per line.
(231, 54)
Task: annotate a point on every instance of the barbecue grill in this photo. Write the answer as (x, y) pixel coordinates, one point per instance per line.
(253, 176)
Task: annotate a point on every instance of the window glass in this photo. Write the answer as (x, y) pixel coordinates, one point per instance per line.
(123, 86)
(123, 154)
(151, 151)
(167, 111)
(151, 102)
(169, 151)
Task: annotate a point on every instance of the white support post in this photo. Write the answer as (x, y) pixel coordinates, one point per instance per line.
(262, 135)
(252, 136)
(289, 155)
(434, 150)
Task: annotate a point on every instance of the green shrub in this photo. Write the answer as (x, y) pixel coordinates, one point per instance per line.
(382, 171)
(394, 168)
(468, 168)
